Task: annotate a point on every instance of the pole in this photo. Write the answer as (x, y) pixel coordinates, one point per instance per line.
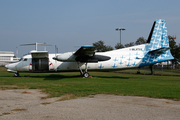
(120, 32)
(44, 46)
(36, 46)
(120, 36)
(16, 52)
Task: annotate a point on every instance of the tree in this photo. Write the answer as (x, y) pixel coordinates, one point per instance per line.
(100, 47)
(175, 50)
(140, 41)
(119, 46)
(107, 48)
(130, 44)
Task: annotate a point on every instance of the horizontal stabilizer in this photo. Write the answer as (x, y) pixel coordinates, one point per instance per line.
(160, 50)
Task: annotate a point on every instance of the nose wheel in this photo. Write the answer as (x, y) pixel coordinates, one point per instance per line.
(16, 74)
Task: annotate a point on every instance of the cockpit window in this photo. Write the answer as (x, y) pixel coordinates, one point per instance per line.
(21, 59)
(25, 59)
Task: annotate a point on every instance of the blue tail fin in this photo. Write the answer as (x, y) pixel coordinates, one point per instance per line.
(158, 37)
(157, 48)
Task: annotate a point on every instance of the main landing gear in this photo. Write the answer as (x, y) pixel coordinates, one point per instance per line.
(85, 73)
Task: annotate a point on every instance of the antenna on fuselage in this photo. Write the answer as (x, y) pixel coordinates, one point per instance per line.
(36, 44)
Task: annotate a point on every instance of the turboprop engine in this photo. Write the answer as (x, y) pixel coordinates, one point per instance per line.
(65, 57)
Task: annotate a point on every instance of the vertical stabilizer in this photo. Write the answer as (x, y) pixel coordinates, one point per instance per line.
(158, 37)
(157, 48)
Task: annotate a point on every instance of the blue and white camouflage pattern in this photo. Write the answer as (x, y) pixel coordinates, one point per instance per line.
(157, 50)
(159, 40)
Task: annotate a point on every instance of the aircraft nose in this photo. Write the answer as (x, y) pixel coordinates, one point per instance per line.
(6, 66)
(11, 66)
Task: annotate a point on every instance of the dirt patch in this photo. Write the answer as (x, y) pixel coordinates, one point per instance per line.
(20, 104)
(4, 87)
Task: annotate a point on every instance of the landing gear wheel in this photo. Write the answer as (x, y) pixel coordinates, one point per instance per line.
(86, 75)
(16, 74)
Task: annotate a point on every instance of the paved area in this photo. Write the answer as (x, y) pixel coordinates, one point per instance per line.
(21, 104)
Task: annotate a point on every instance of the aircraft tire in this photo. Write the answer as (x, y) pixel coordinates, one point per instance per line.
(16, 74)
(86, 75)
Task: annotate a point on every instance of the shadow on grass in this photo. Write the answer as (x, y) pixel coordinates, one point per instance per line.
(54, 76)
(66, 76)
(59, 77)
(112, 77)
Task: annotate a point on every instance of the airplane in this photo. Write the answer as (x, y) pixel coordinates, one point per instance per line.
(87, 59)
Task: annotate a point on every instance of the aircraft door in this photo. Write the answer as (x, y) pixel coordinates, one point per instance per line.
(40, 64)
(40, 61)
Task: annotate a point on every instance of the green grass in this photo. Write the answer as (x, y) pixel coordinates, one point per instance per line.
(59, 84)
(157, 71)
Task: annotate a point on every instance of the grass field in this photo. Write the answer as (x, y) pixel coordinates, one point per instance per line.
(157, 71)
(58, 84)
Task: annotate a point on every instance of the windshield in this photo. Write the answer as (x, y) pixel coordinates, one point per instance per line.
(23, 59)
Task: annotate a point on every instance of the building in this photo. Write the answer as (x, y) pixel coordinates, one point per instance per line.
(7, 57)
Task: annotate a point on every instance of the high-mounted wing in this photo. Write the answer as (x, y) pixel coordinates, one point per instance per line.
(83, 54)
(85, 51)
(87, 54)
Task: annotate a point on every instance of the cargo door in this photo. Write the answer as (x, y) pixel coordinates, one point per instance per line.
(40, 61)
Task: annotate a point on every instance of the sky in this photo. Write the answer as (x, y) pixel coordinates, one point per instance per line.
(69, 24)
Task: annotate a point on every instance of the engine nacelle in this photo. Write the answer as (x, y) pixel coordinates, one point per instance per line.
(65, 57)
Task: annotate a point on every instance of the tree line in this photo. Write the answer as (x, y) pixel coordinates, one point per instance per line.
(174, 47)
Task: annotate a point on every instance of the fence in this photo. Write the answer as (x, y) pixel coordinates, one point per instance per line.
(166, 70)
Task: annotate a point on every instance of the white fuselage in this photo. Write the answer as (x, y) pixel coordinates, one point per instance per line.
(154, 51)
(120, 59)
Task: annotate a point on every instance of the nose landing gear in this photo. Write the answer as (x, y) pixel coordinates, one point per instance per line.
(16, 74)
